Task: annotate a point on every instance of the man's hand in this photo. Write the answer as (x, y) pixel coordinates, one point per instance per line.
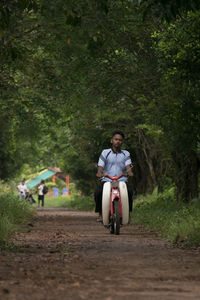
(129, 171)
(99, 175)
(99, 172)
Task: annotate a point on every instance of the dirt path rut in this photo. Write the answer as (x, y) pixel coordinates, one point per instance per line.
(68, 255)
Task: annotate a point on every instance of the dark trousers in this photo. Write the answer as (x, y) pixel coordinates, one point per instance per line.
(41, 198)
(98, 197)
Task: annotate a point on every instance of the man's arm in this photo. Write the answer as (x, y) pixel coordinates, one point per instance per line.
(99, 172)
(129, 171)
(101, 164)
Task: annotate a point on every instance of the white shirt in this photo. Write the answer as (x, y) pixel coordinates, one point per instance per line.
(40, 189)
(22, 188)
(114, 164)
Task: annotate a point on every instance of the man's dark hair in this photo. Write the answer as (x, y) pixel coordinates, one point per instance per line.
(118, 132)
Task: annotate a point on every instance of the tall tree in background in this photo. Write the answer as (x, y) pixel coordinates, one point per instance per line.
(107, 53)
(76, 70)
(179, 108)
(117, 74)
(26, 98)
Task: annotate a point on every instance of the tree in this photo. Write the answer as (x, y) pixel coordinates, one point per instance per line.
(178, 104)
(74, 71)
(168, 9)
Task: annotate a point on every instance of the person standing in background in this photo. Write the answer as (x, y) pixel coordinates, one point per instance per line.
(22, 189)
(41, 193)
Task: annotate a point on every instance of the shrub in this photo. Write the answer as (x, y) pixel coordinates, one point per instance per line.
(178, 223)
(13, 213)
(75, 201)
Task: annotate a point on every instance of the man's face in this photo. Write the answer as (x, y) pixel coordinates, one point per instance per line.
(117, 141)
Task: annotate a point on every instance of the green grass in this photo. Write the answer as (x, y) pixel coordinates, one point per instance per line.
(178, 223)
(74, 201)
(14, 213)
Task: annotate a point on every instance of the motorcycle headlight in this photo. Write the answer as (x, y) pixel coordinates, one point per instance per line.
(115, 192)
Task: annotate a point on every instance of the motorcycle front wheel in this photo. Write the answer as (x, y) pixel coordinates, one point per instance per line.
(116, 218)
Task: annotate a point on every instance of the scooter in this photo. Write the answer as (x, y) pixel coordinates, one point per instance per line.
(115, 204)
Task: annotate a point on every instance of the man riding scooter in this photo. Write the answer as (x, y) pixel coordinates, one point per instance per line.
(114, 162)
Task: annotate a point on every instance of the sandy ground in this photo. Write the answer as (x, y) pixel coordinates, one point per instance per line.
(68, 255)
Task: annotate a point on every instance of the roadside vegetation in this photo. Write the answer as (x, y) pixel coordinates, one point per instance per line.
(79, 202)
(75, 200)
(14, 214)
(179, 223)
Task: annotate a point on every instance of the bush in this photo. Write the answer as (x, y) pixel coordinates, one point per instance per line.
(13, 213)
(75, 201)
(178, 223)
(82, 202)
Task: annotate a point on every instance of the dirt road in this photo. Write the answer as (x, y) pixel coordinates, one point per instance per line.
(68, 255)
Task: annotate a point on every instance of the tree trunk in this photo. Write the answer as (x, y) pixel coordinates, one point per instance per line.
(147, 160)
(144, 169)
(186, 176)
(142, 178)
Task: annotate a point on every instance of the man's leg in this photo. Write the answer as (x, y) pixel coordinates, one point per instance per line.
(130, 196)
(98, 197)
(42, 200)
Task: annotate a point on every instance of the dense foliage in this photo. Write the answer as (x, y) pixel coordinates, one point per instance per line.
(72, 71)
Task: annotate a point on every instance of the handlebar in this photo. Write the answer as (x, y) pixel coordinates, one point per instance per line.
(114, 177)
